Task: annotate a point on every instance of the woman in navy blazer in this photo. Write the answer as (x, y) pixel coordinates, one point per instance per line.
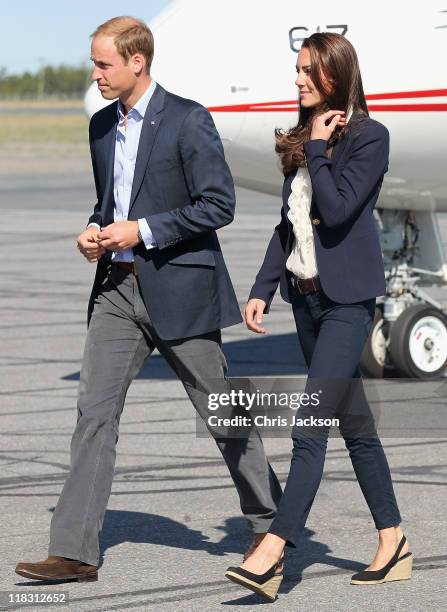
(345, 153)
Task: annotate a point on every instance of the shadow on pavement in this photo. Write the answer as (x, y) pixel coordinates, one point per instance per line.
(121, 526)
(144, 528)
(259, 356)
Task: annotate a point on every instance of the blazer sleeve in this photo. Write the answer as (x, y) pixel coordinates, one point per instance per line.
(365, 167)
(209, 182)
(269, 275)
(96, 217)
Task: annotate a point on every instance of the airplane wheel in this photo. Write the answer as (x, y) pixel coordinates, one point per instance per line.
(375, 360)
(418, 342)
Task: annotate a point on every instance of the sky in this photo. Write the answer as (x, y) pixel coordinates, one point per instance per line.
(41, 32)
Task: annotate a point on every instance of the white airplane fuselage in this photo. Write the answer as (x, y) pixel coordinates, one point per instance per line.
(238, 59)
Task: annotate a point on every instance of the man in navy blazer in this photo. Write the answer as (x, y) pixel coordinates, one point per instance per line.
(163, 189)
(183, 188)
(347, 245)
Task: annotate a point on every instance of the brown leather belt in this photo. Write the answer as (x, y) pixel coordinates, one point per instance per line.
(306, 285)
(126, 265)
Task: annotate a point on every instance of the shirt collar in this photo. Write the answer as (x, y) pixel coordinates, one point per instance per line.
(142, 103)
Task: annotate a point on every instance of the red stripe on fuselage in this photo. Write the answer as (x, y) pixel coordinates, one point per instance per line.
(292, 105)
(427, 93)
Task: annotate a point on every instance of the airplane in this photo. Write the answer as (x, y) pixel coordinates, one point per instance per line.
(238, 59)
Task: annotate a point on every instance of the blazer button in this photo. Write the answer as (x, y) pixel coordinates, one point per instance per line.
(316, 221)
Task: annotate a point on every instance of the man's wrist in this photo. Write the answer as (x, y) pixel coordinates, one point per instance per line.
(146, 234)
(93, 225)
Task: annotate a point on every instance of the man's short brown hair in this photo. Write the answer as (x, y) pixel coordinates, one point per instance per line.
(130, 36)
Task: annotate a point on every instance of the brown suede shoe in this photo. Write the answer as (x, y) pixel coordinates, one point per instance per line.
(58, 568)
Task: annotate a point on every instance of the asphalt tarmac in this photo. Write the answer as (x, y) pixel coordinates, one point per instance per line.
(173, 523)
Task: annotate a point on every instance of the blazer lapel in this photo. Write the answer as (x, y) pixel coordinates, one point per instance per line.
(149, 129)
(337, 152)
(340, 147)
(335, 158)
(108, 141)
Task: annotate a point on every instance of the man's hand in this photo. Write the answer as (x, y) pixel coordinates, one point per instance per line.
(319, 127)
(119, 236)
(253, 314)
(88, 246)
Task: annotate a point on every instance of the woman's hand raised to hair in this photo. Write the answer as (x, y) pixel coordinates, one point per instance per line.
(253, 314)
(323, 131)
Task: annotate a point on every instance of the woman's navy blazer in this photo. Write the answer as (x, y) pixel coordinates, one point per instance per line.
(345, 189)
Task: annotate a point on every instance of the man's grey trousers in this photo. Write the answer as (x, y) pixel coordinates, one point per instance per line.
(119, 338)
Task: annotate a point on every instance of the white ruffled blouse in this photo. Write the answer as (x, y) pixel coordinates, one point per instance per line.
(302, 261)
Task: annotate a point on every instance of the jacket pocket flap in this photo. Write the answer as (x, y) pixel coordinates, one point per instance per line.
(194, 258)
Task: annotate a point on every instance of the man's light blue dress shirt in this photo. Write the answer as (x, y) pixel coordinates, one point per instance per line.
(126, 148)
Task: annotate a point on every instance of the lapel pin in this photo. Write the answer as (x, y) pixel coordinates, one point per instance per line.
(152, 122)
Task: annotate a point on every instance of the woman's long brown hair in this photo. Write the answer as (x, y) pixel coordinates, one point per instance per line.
(333, 57)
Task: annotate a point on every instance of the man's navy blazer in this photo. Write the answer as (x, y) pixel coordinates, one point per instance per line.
(183, 187)
(345, 189)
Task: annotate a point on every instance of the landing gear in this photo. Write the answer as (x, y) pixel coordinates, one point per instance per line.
(409, 333)
(418, 342)
(413, 346)
(375, 361)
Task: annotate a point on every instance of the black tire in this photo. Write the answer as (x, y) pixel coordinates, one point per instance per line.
(400, 341)
(370, 364)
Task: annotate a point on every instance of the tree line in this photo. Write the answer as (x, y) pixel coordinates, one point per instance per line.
(50, 81)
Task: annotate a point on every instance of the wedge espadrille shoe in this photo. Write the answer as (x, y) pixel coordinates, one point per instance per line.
(396, 569)
(266, 584)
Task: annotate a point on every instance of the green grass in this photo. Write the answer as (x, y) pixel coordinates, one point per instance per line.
(43, 128)
(34, 103)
